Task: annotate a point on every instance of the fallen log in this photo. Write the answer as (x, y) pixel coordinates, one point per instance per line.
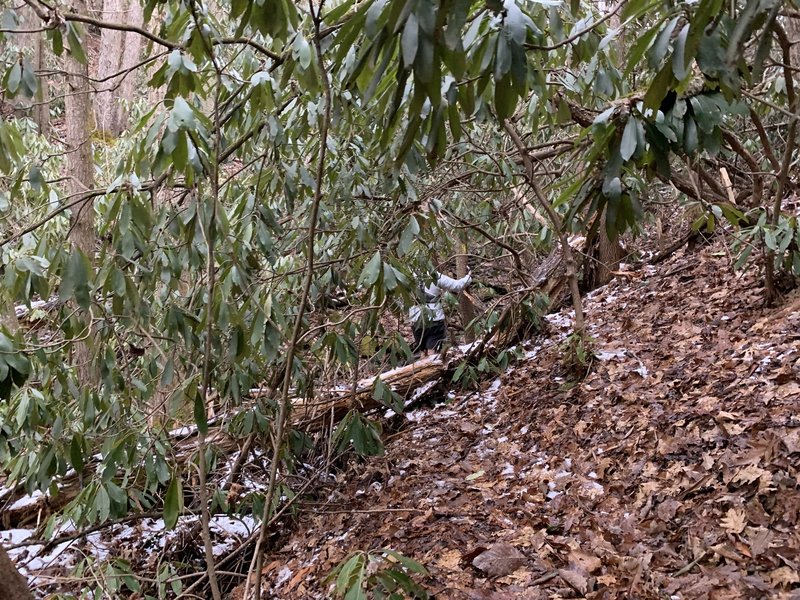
(24, 511)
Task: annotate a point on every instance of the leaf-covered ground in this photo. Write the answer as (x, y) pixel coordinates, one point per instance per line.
(671, 471)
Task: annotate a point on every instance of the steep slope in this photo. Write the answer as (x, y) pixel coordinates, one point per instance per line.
(670, 471)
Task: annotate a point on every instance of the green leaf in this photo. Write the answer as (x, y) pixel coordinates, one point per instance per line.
(410, 40)
(348, 572)
(408, 563)
(75, 280)
(679, 54)
(301, 51)
(29, 82)
(173, 503)
(638, 49)
(102, 504)
(371, 271)
(505, 100)
(58, 41)
(14, 78)
(659, 49)
(690, 140)
(74, 39)
(76, 454)
(659, 88)
(410, 232)
(628, 144)
(200, 416)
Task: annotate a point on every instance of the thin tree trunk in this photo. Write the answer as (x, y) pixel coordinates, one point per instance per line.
(570, 266)
(130, 57)
(38, 107)
(770, 284)
(465, 305)
(607, 253)
(77, 112)
(119, 52)
(13, 586)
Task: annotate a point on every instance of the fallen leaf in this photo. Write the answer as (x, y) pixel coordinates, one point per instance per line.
(584, 562)
(449, 559)
(499, 560)
(734, 521)
(759, 541)
(575, 580)
(607, 580)
(474, 476)
(784, 576)
(788, 390)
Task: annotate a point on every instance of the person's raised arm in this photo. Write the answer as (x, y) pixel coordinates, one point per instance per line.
(454, 285)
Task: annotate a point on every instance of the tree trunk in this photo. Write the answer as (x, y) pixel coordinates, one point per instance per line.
(80, 165)
(605, 255)
(13, 586)
(465, 305)
(38, 107)
(119, 51)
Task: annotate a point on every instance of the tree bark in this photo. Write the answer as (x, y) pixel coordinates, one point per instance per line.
(13, 586)
(37, 107)
(119, 52)
(80, 167)
(605, 255)
(465, 305)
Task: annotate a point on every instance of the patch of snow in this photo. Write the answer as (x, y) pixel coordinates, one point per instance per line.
(594, 489)
(560, 320)
(421, 390)
(494, 387)
(605, 355)
(26, 500)
(15, 536)
(283, 576)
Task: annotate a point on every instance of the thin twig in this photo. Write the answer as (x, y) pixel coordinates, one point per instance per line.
(283, 411)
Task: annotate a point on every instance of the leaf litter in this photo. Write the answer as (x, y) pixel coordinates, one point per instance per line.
(670, 471)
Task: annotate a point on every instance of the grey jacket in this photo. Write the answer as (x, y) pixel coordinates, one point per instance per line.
(434, 291)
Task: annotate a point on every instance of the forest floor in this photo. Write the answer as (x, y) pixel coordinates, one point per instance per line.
(670, 471)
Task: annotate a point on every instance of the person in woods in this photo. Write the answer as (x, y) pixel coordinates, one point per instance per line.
(427, 316)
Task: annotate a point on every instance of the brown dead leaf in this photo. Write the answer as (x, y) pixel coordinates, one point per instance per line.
(784, 576)
(608, 580)
(759, 540)
(449, 560)
(791, 440)
(749, 474)
(584, 562)
(734, 521)
(788, 390)
(420, 520)
(499, 560)
(727, 551)
(298, 578)
(577, 581)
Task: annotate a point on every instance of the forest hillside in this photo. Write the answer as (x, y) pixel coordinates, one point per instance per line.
(398, 298)
(669, 471)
